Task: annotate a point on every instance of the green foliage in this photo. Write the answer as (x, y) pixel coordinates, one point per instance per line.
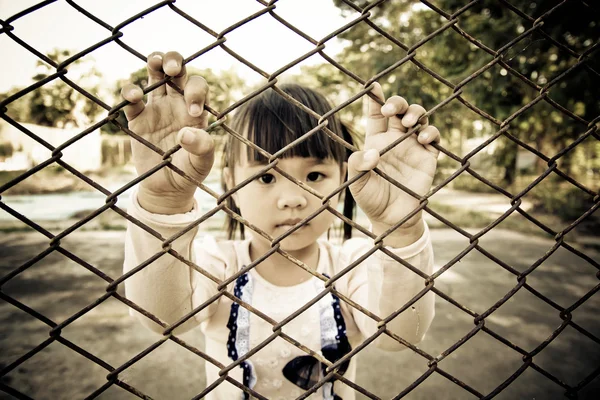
(335, 85)
(7, 176)
(459, 216)
(497, 91)
(466, 182)
(540, 58)
(563, 200)
(6, 149)
(56, 103)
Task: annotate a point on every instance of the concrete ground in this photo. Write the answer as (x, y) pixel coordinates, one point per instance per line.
(57, 287)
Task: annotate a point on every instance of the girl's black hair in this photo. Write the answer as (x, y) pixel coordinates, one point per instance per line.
(271, 122)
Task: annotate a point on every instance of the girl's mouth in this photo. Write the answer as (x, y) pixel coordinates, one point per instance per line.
(288, 227)
(289, 222)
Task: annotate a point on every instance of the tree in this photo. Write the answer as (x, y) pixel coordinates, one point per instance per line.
(56, 103)
(540, 60)
(496, 91)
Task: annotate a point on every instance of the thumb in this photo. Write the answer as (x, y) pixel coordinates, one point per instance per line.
(361, 161)
(199, 152)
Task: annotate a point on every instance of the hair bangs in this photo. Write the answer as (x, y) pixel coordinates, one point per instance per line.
(272, 122)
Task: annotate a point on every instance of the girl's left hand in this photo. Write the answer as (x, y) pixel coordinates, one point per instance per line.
(412, 162)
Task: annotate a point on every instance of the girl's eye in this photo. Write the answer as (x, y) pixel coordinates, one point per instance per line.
(315, 177)
(267, 179)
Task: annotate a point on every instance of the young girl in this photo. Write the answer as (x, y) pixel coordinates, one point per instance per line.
(275, 285)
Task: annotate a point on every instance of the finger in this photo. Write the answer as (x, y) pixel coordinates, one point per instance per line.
(155, 74)
(393, 106)
(429, 135)
(135, 96)
(413, 114)
(173, 66)
(361, 161)
(196, 95)
(199, 152)
(376, 122)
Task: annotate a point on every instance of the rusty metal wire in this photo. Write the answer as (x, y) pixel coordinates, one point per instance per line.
(116, 35)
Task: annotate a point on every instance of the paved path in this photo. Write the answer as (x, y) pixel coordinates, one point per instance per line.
(58, 288)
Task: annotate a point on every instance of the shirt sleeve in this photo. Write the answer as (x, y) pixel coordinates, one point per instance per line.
(167, 287)
(383, 286)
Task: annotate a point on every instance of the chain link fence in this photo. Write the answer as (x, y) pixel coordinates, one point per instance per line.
(452, 21)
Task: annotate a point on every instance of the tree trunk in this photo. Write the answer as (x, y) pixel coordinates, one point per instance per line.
(509, 162)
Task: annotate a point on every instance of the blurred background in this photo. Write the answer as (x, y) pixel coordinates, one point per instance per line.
(544, 61)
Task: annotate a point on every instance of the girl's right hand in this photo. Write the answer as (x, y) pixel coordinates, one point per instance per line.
(168, 119)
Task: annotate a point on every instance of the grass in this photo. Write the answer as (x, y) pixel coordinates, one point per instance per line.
(7, 176)
(15, 228)
(458, 216)
(54, 179)
(469, 219)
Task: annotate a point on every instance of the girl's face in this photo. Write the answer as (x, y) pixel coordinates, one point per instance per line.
(275, 204)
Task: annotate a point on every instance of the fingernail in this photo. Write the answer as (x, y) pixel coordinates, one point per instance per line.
(157, 57)
(424, 137)
(195, 110)
(370, 156)
(187, 137)
(172, 64)
(388, 109)
(409, 122)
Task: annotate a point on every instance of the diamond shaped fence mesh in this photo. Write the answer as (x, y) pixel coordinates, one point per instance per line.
(581, 59)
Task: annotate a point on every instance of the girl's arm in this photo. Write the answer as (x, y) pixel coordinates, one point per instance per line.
(391, 199)
(383, 286)
(173, 116)
(167, 287)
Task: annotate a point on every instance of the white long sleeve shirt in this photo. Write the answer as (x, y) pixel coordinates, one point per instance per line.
(170, 289)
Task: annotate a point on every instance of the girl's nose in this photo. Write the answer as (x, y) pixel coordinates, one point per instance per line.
(292, 199)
